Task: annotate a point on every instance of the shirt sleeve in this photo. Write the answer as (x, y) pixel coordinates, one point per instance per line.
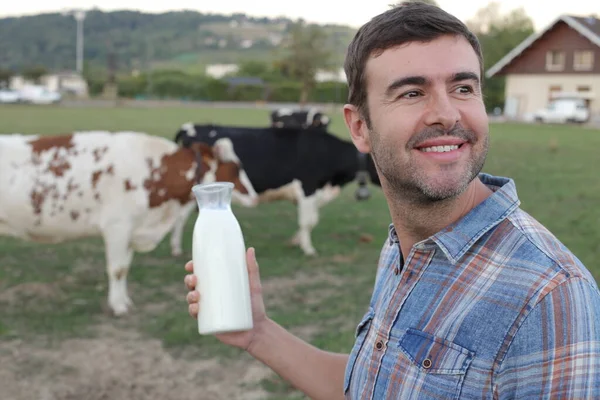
(556, 352)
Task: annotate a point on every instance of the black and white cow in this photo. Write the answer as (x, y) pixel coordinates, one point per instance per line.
(305, 166)
(289, 118)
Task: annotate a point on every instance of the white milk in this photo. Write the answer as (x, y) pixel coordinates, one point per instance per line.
(219, 256)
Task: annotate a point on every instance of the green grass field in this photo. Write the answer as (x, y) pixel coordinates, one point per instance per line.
(52, 292)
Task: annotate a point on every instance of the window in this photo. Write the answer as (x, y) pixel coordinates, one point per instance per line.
(555, 60)
(552, 90)
(583, 60)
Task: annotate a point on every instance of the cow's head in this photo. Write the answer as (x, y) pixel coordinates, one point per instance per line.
(321, 120)
(225, 166)
(185, 134)
(289, 118)
(317, 119)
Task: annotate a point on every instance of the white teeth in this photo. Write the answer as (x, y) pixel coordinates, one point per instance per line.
(440, 149)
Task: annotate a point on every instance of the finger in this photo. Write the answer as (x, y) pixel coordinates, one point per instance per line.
(190, 281)
(192, 297)
(253, 273)
(193, 310)
(189, 266)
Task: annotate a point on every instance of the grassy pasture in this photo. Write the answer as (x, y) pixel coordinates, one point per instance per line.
(52, 293)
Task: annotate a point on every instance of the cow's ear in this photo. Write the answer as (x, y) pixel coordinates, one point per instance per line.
(358, 128)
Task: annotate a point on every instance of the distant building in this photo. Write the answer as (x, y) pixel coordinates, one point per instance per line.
(329, 76)
(563, 60)
(218, 71)
(246, 43)
(67, 83)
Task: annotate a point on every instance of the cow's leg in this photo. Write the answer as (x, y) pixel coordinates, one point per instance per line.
(177, 231)
(119, 255)
(308, 217)
(322, 197)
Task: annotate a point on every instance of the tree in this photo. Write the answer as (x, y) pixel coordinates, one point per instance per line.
(305, 53)
(34, 73)
(253, 68)
(484, 18)
(5, 75)
(498, 35)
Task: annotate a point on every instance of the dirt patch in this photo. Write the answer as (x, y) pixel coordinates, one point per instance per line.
(281, 290)
(120, 364)
(282, 285)
(306, 332)
(277, 292)
(30, 292)
(343, 259)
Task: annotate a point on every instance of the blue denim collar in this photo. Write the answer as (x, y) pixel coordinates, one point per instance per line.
(457, 238)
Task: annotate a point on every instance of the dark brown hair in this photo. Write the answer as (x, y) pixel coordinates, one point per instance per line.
(406, 22)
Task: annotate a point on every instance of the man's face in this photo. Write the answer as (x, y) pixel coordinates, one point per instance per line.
(429, 131)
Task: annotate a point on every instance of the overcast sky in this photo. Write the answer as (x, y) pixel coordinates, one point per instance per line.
(322, 11)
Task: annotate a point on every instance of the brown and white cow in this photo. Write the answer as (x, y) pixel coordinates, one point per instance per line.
(130, 188)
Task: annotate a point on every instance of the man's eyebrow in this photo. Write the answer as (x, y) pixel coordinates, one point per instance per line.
(409, 80)
(465, 76)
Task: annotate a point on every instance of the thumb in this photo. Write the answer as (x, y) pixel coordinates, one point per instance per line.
(253, 274)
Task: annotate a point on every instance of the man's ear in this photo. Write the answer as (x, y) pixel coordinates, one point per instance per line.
(358, 128)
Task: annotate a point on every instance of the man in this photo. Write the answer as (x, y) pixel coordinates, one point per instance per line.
(473, 297)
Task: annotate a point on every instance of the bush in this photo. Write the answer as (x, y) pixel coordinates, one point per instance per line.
(180, 85)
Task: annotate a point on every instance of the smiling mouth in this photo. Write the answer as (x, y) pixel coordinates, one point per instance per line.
(440, 149)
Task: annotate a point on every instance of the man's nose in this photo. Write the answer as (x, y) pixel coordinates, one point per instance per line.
(442, 111)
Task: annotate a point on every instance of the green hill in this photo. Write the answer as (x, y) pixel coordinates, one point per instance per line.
(183, 40)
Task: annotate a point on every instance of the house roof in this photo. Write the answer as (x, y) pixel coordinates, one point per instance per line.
(586, 26)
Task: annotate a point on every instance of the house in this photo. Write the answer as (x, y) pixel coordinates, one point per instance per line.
(563, 60)
(218, 71)
(331, 76)
(66, 82)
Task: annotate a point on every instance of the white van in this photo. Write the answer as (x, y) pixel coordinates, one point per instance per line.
(36, 94)
(563, 111)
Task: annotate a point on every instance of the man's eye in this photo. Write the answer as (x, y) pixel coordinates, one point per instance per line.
(411, 94)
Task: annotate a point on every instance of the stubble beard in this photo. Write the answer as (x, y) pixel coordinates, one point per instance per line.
(409, 183)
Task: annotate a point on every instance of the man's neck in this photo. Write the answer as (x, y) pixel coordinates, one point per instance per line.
(416, 222)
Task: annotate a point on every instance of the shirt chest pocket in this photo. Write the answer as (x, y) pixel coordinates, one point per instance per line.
(437, 366)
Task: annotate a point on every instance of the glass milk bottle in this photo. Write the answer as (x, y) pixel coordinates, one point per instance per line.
(219, 256)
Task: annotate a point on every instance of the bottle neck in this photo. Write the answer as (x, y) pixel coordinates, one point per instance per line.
(215, 196)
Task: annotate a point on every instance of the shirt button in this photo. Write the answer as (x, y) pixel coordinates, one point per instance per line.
(396, 271)
(427, 363)
(379, 345)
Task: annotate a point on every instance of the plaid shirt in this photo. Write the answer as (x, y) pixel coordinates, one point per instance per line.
(492, 307)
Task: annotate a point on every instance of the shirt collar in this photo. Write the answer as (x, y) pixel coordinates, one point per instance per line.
(456, 239)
